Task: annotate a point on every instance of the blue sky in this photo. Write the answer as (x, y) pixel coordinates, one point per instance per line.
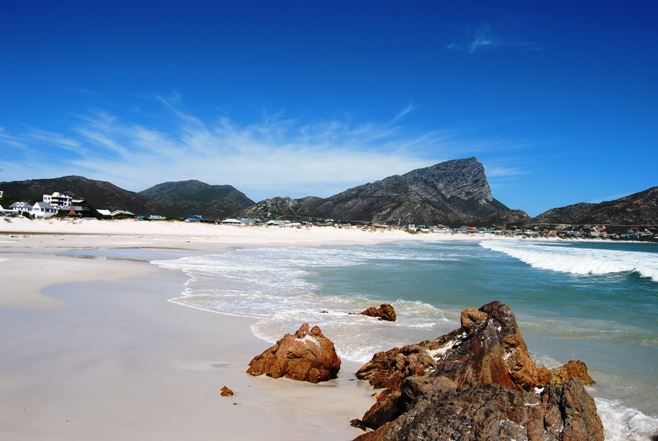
(558, 99)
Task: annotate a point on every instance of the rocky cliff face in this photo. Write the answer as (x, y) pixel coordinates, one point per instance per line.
(636, 209)
(185, 198)
(453, 193)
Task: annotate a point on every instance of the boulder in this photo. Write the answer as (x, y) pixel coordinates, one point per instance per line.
(384, 312)
(438, 389)
(306, 356)
(226, 392)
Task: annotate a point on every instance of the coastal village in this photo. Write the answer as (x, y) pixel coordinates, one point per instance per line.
(60, 205)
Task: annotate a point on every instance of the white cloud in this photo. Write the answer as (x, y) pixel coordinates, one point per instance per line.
(484, 39)
(273, 156)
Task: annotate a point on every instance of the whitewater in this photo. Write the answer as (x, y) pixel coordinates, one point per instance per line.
(550, 286)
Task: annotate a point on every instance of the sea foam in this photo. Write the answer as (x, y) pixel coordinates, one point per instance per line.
(271, 285)
(583, 261)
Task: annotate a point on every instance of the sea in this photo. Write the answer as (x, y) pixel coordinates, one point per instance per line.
(592, 301)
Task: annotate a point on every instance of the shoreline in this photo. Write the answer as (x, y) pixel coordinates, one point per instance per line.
(102, 273)
(142, 355)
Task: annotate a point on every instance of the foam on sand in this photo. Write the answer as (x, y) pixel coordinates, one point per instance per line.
(581, 261)
(271, 285)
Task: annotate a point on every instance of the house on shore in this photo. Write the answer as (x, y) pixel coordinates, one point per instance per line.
(21, 207)
(43, 210)
(58, 200)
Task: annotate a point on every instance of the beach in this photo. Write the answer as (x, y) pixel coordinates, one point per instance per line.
(122, 329)
(91, 348)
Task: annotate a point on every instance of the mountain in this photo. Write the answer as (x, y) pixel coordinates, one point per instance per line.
(636, 209)
(99, 194)
(452, 193)
(277, 208)
(185, 198)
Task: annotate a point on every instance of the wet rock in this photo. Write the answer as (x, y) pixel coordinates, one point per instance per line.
(307, 356)
(226, 392)
(384, 312)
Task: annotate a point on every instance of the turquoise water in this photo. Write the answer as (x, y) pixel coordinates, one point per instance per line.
(597, 302)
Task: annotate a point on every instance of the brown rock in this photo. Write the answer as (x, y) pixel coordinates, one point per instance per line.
(490, 412)
(307, 356)
(488, 350)
(572, 369)
(384, 312)
(226, 392)
(471, 318)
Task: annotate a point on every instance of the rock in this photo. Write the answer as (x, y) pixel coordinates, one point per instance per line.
(491, 351)
(443, 388)
(226, 392)
(307, 356)
(389, 368)
(491, 412)
(471, 318)
(384, 312)
(572, 369)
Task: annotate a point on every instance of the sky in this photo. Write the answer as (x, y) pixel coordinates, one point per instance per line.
(558, 100)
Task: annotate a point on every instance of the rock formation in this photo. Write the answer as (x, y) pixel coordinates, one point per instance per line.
(307, 356)
(477, 383)
(452, 193)
(225, 392)
(384, 312)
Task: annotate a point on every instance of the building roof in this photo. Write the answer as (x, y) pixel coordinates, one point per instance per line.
(44, 206)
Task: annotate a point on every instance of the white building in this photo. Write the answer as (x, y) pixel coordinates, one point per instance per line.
(21, 207)
(43, 210)
(58, 200)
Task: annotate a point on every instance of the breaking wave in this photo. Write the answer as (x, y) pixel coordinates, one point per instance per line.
(270, 285)
(583, 261)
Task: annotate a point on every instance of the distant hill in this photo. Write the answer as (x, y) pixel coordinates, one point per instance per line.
(636, 209)
(185, 198)
(277, 208)
(452, 193)
(99, 194)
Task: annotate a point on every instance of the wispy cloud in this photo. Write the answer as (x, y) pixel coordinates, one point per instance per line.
(404, 112)
(276, 155)
(485, 39)
(10, 140)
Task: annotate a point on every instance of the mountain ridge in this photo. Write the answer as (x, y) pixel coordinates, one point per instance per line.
(185, 198)
(639, 208)
(451, 192)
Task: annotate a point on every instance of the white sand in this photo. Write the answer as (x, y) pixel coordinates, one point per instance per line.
(91, 350)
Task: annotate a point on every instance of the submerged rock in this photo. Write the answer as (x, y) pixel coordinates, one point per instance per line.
(478, 382)
(384, 312)
(307, 356)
